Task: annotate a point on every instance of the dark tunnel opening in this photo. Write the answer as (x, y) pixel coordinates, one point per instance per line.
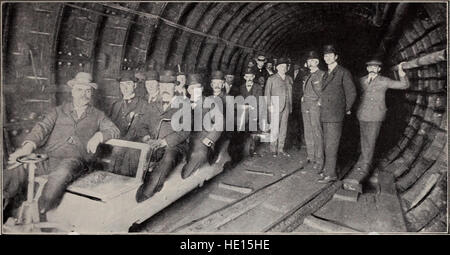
(46, 44)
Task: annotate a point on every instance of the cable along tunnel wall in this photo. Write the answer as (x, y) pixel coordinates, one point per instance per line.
(46, 44)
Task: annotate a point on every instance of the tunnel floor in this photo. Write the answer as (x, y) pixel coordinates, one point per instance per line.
(262, 194)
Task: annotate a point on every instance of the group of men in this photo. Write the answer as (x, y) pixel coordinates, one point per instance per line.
(327, 97)
(323, 99)
(71, 132)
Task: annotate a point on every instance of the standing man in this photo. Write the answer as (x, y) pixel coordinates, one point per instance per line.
(312, 90)
(250, 88)
(371, 113)
(295, 129)
(280, 85)
(338, 96)
(269, 67)
(69, 134)
(228, 85)
(171, 144)
(260, 70)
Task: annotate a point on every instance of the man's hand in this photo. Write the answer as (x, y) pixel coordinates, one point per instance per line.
(401, 72)
(26, 149)
(146, 139)
(162, 143)
(206, 141)
(348, 112)
(93, 143)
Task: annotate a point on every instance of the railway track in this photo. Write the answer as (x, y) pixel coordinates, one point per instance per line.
(261, 194)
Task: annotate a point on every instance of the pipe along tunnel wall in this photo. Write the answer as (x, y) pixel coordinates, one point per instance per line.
(46, 44)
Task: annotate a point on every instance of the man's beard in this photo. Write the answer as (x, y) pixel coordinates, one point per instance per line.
(81, 101)
(166, 97)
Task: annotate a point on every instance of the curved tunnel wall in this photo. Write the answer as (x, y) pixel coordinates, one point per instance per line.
(46, 44)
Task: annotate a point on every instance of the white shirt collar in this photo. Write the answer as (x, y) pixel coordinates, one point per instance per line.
(332, 66)
(129, 97)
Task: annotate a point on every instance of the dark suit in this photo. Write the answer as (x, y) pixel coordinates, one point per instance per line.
(167, 157)
(64, 137)
(126, 114)
(255, 91)
(198, 151)
(295, 129)
(261, 73)
(338, 96)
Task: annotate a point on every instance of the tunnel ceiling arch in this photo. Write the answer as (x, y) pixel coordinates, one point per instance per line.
(46, 44)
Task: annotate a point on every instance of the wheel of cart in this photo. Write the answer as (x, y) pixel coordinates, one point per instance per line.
(28, 219)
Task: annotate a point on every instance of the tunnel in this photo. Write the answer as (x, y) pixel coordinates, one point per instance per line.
(44, 45)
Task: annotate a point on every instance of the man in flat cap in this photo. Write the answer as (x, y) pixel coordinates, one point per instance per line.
(312, 90)
(337, 98)
(371, 113)
(170, 145)
(69, 134)
(126, 114)
(279, 85)
(151, 84)
(202, 142)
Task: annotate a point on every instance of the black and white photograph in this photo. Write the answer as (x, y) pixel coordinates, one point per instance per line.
(224, 117)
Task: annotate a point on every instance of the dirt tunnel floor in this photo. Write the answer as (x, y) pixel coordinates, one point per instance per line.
(262, 190)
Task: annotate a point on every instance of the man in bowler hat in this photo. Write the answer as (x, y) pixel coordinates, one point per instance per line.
(312, 90)
(171, 145)
(279, 85)
(338, 96)
(201, 142)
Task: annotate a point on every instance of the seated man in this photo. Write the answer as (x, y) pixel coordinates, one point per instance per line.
(201, 141)
(170, 145)
(126, 113)
(151, 85)
(69, 134)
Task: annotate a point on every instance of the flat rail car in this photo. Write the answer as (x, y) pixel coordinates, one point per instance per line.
(104, 202)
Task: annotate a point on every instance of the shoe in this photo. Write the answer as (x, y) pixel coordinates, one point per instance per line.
(140, 196)
(284, 153)
(274, 154)
(327, 179)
